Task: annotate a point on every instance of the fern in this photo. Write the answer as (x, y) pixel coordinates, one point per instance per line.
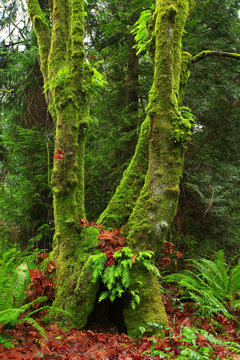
(98, 262)
(212, 285)
(11, 315)
(13, 287)
(117, 277)
(36, 326)
(109, 277)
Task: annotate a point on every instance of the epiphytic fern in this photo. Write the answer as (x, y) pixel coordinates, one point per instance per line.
(116, 277)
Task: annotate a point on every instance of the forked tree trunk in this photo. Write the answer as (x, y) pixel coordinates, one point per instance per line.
(152, 179)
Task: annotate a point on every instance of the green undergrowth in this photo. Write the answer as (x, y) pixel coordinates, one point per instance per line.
(190, 348)
(213, 285)
(14, 280)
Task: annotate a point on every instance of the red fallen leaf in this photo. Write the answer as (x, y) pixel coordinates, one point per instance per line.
(165, 261)
(178, 254)
(51, 266)
(113, 242)
(111, 261)
(83, 222)
(134, 259)
(168, 247)
(186, 322)
(122, 241)
(106, 234)
(102, 338)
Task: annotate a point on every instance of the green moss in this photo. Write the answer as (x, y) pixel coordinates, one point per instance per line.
(150, 308)
(156, 206)
(42, 30)
(74, 292)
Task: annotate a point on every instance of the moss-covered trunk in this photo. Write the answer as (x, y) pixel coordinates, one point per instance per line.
(157, 203)
(159, 156)
(67, 80)
(152, 179)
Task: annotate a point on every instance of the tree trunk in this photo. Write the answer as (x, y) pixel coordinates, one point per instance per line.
(156, 204)
(160, 148)
(67, 80)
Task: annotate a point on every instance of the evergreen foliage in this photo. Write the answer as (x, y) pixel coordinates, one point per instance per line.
(115, 122)
(26, 143)
(208, 211)
(14, 277)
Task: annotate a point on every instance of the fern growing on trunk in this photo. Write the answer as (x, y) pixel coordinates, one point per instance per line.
(117, 277)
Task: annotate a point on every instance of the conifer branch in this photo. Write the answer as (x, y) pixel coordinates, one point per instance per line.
(208, 53)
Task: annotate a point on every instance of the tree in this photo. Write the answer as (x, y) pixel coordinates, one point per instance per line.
(153, 176)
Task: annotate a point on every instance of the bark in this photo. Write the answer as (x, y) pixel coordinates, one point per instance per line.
(67, 81)
(157, 203)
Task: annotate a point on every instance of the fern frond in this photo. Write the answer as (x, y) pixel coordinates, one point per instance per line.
(109, 277)
(14, 287)
(36, 326)
(151, 268)
(125, 276)
(104, 295)
(98, 262)
(11, 315)
(211, 286)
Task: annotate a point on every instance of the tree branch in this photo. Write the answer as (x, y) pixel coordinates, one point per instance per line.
(59, 40)
(42, 30)
(207, 53)
(7, 90)
(77, 34)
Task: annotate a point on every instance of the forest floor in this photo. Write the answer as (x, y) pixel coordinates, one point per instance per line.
(103, 345)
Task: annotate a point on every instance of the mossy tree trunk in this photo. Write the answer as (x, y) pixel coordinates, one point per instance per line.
(152, 179)
(149, 209)
(67, 80)
(146, 199)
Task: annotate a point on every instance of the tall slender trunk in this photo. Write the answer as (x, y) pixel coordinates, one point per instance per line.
(67, 82)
